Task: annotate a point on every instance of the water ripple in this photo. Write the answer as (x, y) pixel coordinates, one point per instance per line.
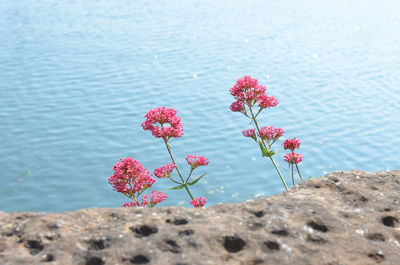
(78, 77)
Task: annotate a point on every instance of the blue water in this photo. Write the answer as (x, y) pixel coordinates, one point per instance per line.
(77, 77)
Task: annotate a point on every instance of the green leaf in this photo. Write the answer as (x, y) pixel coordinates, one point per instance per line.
(266, 152)
(262, 149)
(195, 181)
(269, 153)
(177, 187)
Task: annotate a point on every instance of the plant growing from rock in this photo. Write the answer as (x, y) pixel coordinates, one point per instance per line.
(251, 99)
(132, 179)
(163, 123)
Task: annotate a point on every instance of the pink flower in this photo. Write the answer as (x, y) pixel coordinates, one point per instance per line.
(290, 160)
(270, 133)
(131, 204)
(265, 101)
(165, 170)
(130, 177)
(195, 161)
(163, 116)
(198, 202)
(246, 90)
(237, 106)
(291, 144)
(243, 84)
(144, 201)
(250, 133)
(155, 197)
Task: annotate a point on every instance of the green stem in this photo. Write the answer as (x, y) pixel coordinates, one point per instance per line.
(262, 140)
(191, 170)
(177, 169)
(174, 180)
(297, 167)
(280, 175)
(292, 176)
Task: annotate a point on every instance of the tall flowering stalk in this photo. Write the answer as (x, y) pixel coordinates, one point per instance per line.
(132, 179)
(251, 98)
(293, 158)
(163, 123)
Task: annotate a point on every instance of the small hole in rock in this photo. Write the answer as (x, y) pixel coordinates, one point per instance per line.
(186, 232)
(173, 247)
(390, 221)
(272, 245)
(94, 261)
(346, 215)
(139, 259)
(259, 213)
(48, 258)
(115, 216)
(144, 230)
(376, 257)
(9, 233)
(233, 244)
(180, 221)
(376, 237)
(316, 239)
(282, 232)
(21, 217)
(97, 244)
(53, 226)
(317, 186)
(34, 246)
(255, 226)
(317, 224)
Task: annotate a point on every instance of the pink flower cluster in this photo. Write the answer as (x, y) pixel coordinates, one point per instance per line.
(155, 197)
(131, 204)
(291, 144)
(250, 133)
(195, 161)
(248, 92)
(130, 177)
(198, 202)
(297, 158)
(270, 134)
(165, 170)
(265, 101)
(237, 106)
(163, 116)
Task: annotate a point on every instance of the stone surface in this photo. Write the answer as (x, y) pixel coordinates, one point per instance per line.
(342, 218)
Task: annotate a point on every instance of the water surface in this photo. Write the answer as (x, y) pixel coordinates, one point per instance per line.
(77, 77)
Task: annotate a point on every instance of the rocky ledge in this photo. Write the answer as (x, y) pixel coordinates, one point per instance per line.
(342, 218)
